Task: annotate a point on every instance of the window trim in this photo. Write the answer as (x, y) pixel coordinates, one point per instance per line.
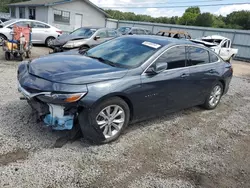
(20, 11)
(61, 22)
(185, 58)
(188, 56)
(13, 10)
(185, 45)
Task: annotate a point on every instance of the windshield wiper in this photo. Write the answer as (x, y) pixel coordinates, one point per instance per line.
(103, 60)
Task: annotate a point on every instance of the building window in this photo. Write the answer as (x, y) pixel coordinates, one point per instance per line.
(61, 16)
(21, 12)
(13, 12)
(32, 13)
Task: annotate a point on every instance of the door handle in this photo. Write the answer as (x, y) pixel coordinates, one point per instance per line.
(184, 75)
(211, 71)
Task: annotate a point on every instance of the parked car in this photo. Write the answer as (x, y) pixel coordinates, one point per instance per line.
(84, 37)
(123, 80)
(2, 20)
(42, 33)
(175, 34)
(221, 45)
(133, 31)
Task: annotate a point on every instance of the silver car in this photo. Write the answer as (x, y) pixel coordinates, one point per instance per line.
(84, 37)
(42, 33)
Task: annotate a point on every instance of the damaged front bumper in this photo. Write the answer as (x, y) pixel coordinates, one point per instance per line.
(57, 116)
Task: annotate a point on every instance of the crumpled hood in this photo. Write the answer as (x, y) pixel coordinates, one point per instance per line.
(63, 39)
(207, 44)
(73, 69)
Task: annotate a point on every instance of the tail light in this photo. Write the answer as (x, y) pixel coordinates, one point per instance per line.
(60, 32)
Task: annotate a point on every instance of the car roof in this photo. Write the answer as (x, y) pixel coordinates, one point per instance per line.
(163, 41)
(218, 37)
(174, 32)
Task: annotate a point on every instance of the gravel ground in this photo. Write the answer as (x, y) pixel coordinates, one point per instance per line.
(190, 148)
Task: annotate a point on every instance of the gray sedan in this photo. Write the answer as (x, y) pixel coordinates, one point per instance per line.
(42, 33)
(84, 37)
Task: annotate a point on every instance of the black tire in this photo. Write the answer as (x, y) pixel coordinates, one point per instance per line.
(22, 57)
(91, 129)
(230, 59)
(7, 56)
(207, 104)
(84, 47)
(2, 38)
(28, 54)
(47, 41)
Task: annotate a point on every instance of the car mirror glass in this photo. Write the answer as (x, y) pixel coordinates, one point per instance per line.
(160, 67)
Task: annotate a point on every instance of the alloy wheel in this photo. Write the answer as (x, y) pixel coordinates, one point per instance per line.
(111, 120)
(215, 96)
(1, 40)
(50, 42)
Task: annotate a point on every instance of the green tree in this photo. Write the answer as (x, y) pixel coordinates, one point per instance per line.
(218, 22)
(190, 15)
(4, 4)
(204, 19)
(239, 18)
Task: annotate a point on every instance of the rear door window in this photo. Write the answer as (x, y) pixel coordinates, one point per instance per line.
(140, 32)
(39, 25)
(102, 34)
(175, 57)
(213, 58)
(112, 33)
(197, 56)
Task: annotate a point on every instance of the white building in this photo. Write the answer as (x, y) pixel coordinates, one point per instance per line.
(64, 14)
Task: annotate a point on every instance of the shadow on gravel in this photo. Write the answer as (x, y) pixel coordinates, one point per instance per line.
(13, 156)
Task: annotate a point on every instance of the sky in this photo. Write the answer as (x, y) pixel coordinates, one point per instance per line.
(150, 7)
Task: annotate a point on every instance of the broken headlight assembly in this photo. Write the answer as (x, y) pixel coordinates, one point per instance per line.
(59, 98)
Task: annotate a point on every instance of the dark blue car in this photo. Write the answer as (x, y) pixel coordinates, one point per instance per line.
(124, 80)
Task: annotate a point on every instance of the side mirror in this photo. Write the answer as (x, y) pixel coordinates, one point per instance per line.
(97, 37)
(157, 68)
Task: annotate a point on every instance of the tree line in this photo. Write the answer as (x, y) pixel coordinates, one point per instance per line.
(192, 17)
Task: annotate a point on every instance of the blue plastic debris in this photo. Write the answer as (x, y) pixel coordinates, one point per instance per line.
(64, 123)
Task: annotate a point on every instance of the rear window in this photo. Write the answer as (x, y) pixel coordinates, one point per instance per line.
(197, 56)
(213, 57)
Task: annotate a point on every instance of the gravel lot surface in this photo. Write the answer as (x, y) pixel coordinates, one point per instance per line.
(190, 148)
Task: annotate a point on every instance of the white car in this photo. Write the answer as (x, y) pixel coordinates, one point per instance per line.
(221, 45)
(42, 33)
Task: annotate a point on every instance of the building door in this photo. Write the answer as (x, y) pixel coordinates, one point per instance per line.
(78, 21)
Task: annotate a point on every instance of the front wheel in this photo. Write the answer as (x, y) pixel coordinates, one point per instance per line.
(214, 97)
(106, 121)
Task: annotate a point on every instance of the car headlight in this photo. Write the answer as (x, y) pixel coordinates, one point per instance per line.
(61, 97)
(73, 44)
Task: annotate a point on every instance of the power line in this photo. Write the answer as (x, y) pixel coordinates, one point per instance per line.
(174, 2)
(181, 6)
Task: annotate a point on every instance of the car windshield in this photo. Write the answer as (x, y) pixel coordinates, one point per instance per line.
(8, 22)
(83, 32)
(124, 29)
(124, 51)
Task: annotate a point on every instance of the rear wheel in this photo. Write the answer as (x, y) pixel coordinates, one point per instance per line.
(106, 122)
(214, 97)
(7, 56)
(2, 39)
(49, 41)
(28, 54)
